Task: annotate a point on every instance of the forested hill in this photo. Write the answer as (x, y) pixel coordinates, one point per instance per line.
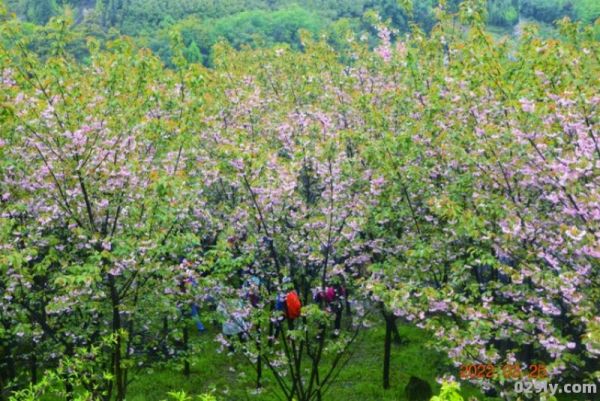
(203, 22)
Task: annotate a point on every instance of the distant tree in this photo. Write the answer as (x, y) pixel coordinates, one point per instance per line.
(280, 26)
(40, 11)
(192, 53)
(503, 12)
(112, 12)
(587, 10)
(546, 10)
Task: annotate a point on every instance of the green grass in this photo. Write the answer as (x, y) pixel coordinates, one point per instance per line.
(232, 378)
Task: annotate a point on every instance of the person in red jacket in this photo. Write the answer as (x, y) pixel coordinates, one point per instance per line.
(293, 305)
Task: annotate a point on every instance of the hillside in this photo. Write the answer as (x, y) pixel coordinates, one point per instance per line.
(202, 23)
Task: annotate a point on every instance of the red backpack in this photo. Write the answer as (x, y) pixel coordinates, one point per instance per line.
(293, 305)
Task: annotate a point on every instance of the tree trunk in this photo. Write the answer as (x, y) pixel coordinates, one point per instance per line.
(69, 390)
(259, 359)
(259, 371)
(6, 376)
(117, 356)
(33, 366)
(68, 384)
(387, 351)
(338, 318)
(319, 393)
(397, 336)
(165, 344)
(186, 341)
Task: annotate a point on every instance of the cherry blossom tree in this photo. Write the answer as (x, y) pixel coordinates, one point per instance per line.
(294, 195)
(94, 207)
(495, 201)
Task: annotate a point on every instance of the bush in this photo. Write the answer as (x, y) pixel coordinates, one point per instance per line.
(450, 392)
(182, 396)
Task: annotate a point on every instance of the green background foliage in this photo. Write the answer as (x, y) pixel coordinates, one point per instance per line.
(265, 22)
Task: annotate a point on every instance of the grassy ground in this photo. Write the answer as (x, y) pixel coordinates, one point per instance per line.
(233, 379)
